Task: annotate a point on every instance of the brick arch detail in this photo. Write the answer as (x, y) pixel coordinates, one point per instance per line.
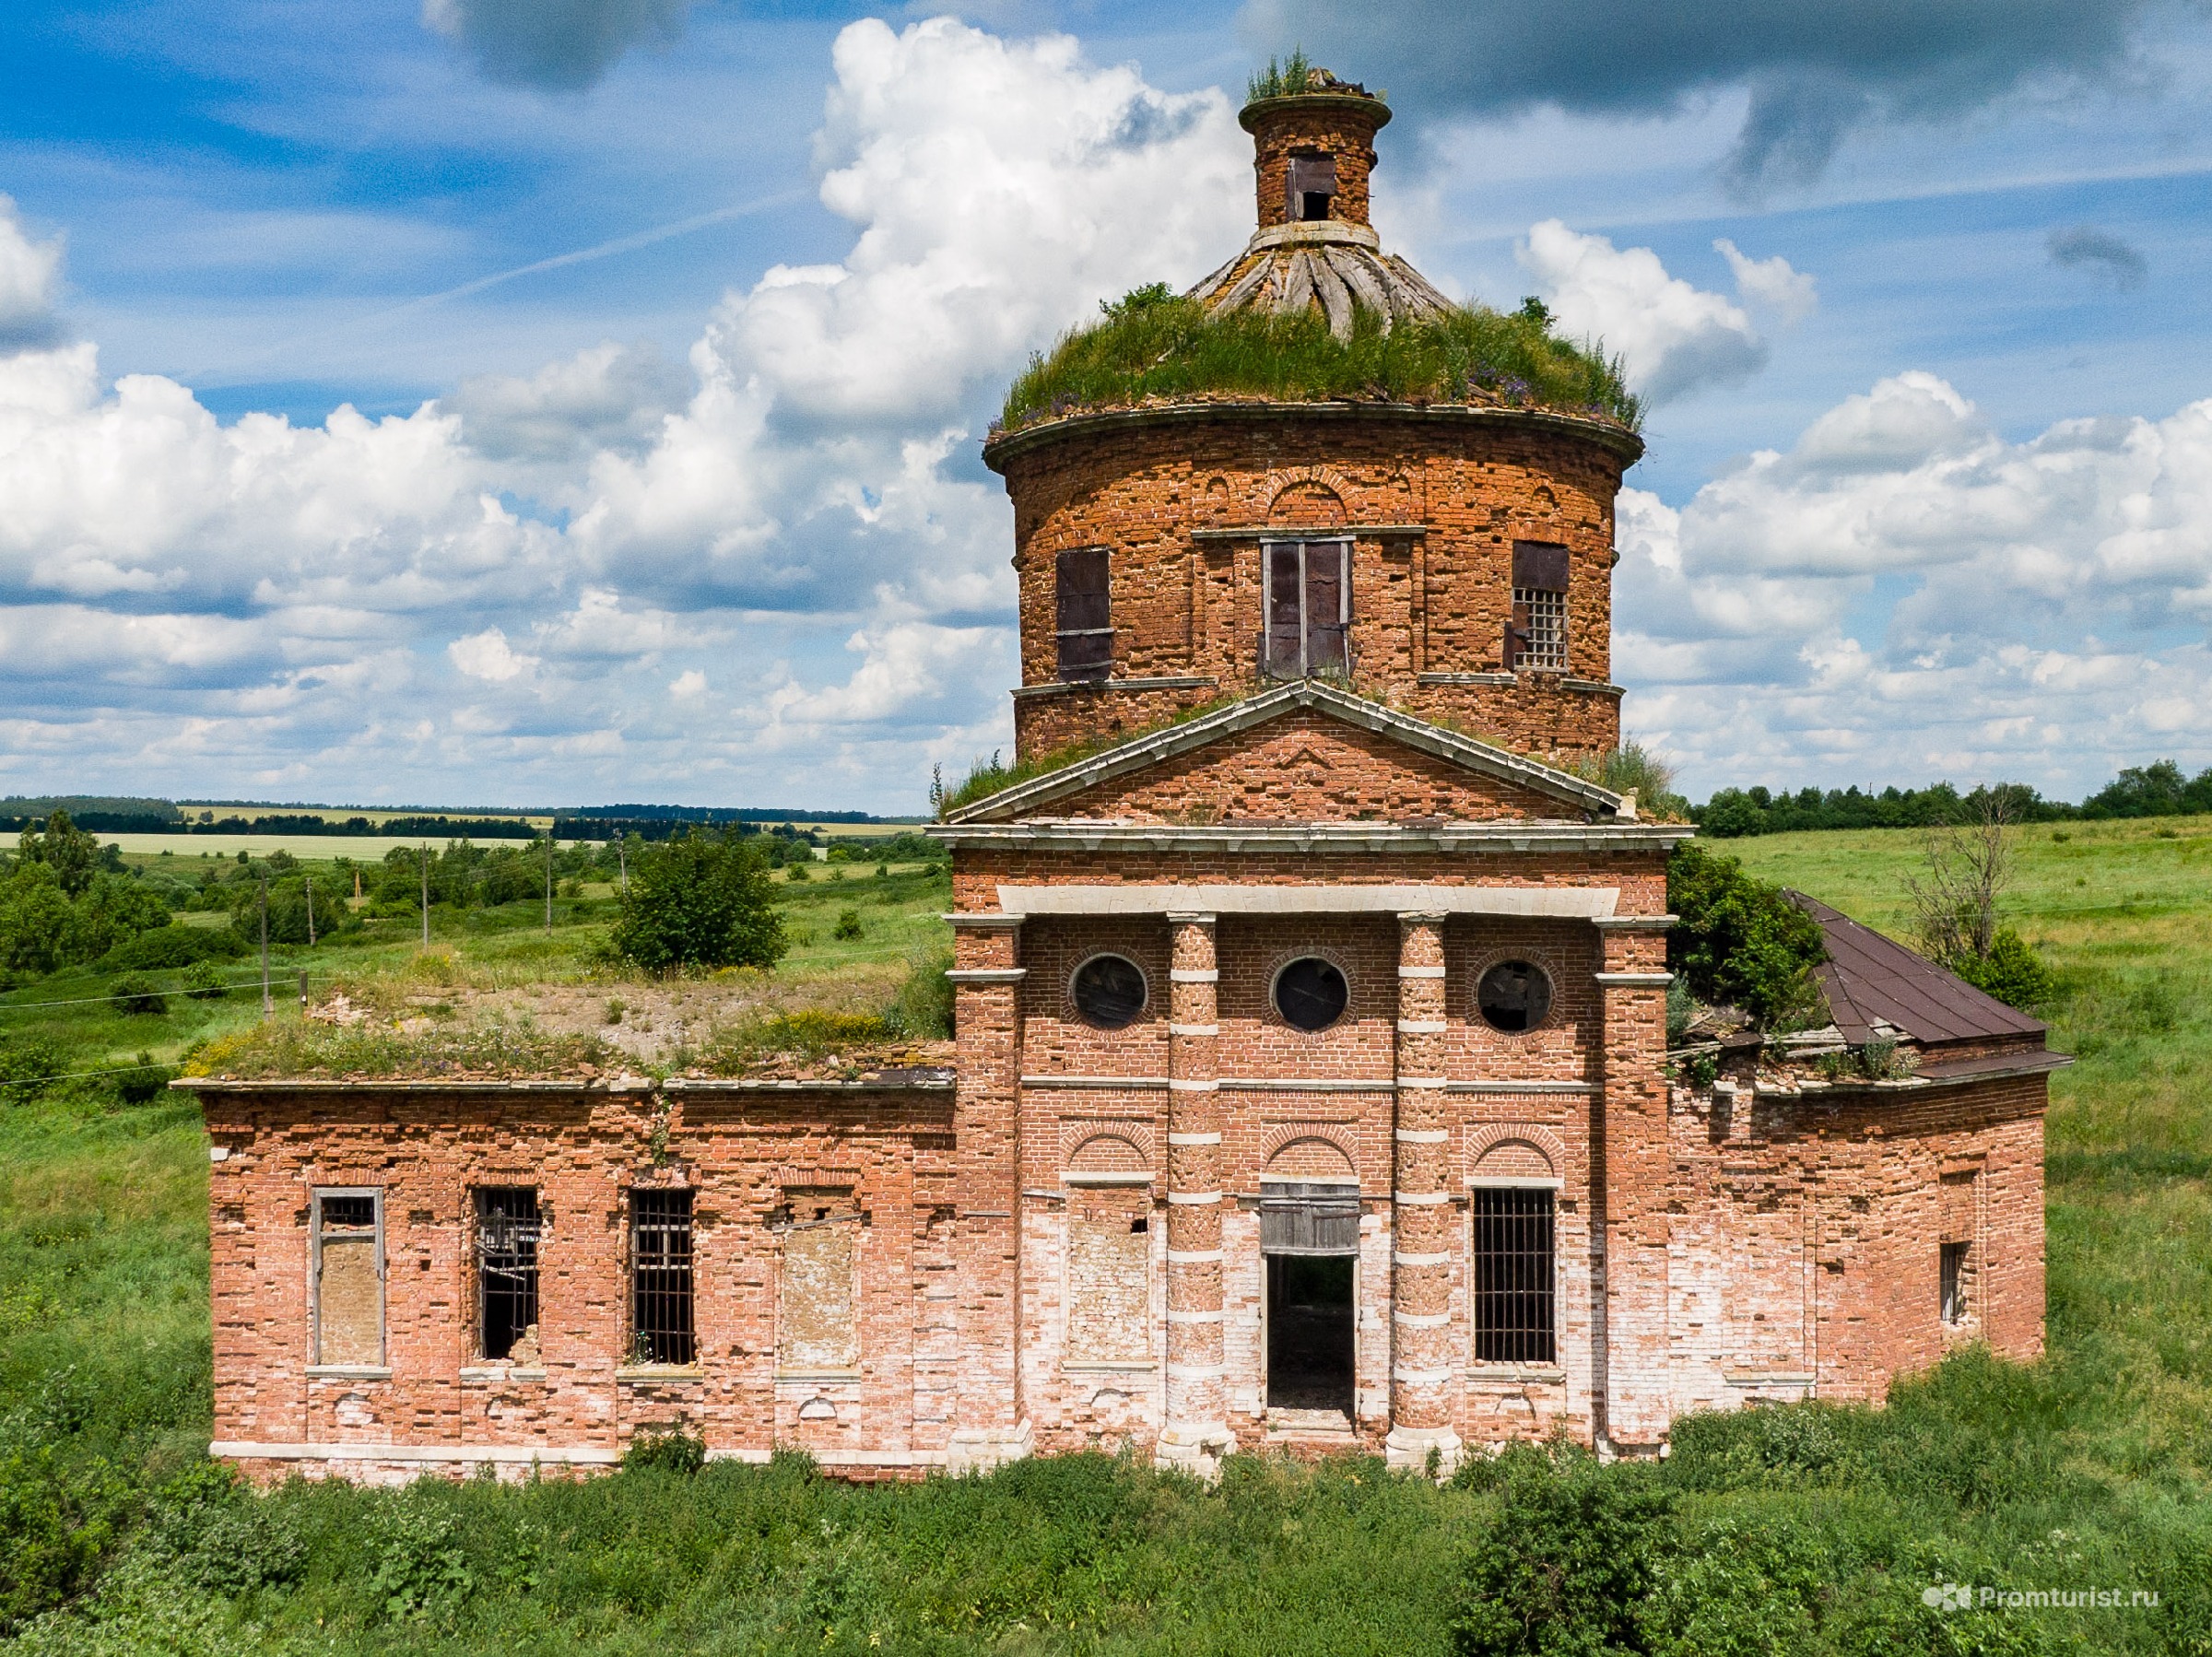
(1482, 1140)
(1077, 1136)
(1282, 480)
(1281, 1136)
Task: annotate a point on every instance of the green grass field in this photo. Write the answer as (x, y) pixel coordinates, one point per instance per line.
(1798, 1531)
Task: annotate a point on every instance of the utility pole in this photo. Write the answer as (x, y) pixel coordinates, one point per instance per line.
(548, 883)
(311, 910)
(426, 894)
(622, 857)
(267, 1005)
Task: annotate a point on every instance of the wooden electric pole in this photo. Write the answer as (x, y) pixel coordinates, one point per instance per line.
(548, 883)
(426, 894)
(310, 880)
(267, 1005)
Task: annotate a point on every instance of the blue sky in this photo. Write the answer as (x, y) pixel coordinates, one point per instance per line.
(668, 333)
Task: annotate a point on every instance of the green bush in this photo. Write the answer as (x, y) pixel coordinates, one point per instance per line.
(141, 1082)
(28, 1064)
(1565, 1570)
(214, 1534)
(668, 1449)
(166, 948)
(423, 1571)
(59, 1517)
(133, 995)
(204, 981)
(701, 900)
(848, 924)
(1739, 942)
(2012, 972)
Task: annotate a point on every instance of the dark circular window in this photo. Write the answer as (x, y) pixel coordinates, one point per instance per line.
(1109, 991)
(1513, 995)
(1311, 993)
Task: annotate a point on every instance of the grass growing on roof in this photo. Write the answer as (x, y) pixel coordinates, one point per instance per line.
(1155, 345)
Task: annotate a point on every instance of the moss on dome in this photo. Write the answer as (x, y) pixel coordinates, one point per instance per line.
(1153, 345)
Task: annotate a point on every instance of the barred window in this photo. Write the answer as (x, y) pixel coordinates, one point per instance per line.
(348, 1317)
(1513, 1274)
(1536, 635)
(660, 1276)
(1083, 613)
(507, 1237)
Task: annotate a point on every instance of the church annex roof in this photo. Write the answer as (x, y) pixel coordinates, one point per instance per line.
(1872, 980)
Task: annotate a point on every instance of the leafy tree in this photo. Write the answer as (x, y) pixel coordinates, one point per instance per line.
(111, 909)
(1738, 941)
(700, 901)
(73, 855)
(288, 911)
(34, 916)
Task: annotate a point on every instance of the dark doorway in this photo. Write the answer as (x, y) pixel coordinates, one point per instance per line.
(1310, 1332)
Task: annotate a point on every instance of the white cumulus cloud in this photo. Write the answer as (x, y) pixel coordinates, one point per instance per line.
(488, 655)
(30, 273)
(1773, 284)
(1673, 338)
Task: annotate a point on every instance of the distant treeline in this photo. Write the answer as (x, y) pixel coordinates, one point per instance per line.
(102, 813)
(2157, 790)
(718, 814)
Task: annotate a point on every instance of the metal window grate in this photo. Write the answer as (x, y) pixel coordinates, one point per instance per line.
(1539, 628)
(348, 1214)
(507, 1235)
(659, 1237)
(1512, 1275)
(1953, 1288)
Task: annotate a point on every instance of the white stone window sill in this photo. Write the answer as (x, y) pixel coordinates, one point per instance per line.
(350, 1372)
(809, 1376)
(1523, 1374)
(499, 1372)
(1144, 1366)
(660, 1372)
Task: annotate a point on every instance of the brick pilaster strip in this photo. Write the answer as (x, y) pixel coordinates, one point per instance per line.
(1637, 1190)
(1423, 1219)
(987, 1415)
(1197, 1394)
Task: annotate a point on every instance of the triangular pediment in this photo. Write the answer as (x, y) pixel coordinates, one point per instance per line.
(1304, 753)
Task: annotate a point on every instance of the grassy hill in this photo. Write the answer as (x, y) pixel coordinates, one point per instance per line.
(1806, 1530)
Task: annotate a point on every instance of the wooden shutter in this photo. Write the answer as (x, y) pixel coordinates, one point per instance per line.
(1083, 613)
(1308, 1218)
(1540, 566)
(1309, 175)
(1285, 622)
(1327, 608)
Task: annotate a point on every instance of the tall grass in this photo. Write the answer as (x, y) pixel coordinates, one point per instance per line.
(1169, 348)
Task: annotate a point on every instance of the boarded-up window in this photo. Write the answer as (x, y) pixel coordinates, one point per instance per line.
(1108, 1275)
(817, 1288)
(1083, 613)
(1956, 1261)
(349, 1277)
(1308, 604)
(1536, 635)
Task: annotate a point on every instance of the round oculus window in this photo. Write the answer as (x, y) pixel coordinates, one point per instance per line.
(1311, 993)
(1109, 991)
(1513, 995)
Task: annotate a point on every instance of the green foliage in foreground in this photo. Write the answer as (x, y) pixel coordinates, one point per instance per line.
(1152, 345)
(1739, 942)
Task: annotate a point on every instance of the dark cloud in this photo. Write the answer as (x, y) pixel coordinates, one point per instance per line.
(560, 44)
(1814, 68)
(2099, 253)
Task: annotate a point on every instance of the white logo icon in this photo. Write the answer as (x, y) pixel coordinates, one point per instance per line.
(1947, 1596)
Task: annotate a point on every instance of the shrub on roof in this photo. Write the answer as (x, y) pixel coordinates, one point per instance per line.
(701, 900)
(1153, 343)
(1739, 942)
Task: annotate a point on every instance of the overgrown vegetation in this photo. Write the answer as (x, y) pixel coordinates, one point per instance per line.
(1739, 942)
(1156, 345)
(1634, 768)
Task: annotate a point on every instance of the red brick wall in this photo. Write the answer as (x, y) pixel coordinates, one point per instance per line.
(1435, 604)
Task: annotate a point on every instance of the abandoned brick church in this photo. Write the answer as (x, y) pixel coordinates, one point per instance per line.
(1311, 1086)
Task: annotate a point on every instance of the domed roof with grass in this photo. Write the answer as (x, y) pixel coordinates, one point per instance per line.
(1312, 308)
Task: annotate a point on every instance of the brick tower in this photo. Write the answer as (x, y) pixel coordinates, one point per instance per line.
(1366, 1010)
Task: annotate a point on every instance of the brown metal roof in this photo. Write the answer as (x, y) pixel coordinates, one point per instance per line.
(1868, 978)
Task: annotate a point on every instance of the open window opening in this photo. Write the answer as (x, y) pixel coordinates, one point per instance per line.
(1953, 1271)
(660, 1267)
(507, 1237)
(1312, 186)
(1308, 603)
(1511, 1260)
(1083, 613)
(1309, 1240)
(1536, 634)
